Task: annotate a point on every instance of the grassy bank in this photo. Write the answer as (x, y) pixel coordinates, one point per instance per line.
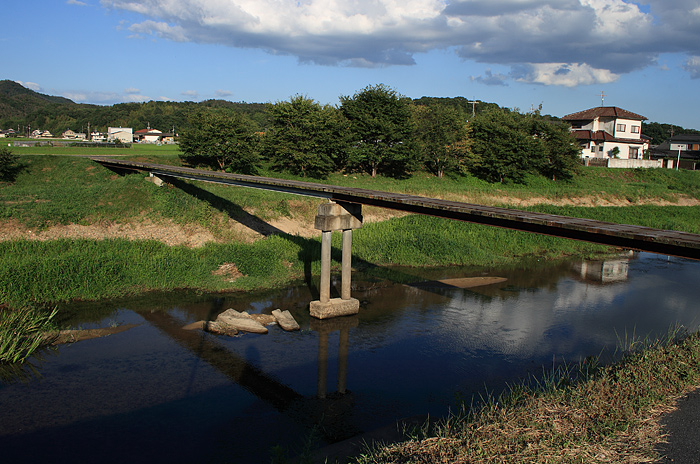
(54, 190)
(588, 414)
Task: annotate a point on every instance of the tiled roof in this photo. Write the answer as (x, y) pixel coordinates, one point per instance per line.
(603, 112)
(602, 136)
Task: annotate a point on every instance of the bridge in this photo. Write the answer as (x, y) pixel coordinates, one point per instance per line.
(343, 211)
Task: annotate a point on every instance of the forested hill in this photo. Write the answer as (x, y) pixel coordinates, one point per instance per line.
(18, 101)
(21, 107)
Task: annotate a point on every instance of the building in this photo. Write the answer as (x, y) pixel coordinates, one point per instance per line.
(683, 148)
(72, 135)
(609, 132)
(121, 134)
(148, 135)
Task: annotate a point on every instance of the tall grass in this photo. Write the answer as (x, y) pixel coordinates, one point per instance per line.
(605, 414)
(22, 332)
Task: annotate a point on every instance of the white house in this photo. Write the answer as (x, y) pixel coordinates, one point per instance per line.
(601, 130)
(123, 134)
(148, 135)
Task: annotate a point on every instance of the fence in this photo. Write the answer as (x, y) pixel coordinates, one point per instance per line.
(622, 163)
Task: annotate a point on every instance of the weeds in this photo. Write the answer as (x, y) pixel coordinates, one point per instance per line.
(577, 413)
(22, 332)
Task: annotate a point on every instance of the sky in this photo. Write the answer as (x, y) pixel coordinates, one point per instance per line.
(566, 55)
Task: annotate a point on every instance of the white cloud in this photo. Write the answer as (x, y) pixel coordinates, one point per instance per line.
(191, 93)
(30, 85)
(565, 74)
(131, 90)
(76, 2)
(223, 93)
(693, 67)
(489, 78)
(563, 42)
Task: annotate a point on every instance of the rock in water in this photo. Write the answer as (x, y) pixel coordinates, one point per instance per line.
(285, 320)
(240, 321)
(219, 328)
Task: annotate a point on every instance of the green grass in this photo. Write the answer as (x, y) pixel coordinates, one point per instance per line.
(575, 414)
(53, 190)
(22, 333)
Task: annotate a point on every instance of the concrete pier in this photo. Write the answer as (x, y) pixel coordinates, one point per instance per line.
(336, 216)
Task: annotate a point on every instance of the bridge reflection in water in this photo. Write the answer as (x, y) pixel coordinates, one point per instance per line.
(330, 414)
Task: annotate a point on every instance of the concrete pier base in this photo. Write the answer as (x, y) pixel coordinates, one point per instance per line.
(334, 307)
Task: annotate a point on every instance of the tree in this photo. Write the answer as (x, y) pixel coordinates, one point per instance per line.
(506, 145)
(305, 137)
(561, 151)
(382, 129)
(441, 134)
(220, 140)
(8, 164)
(499, 147)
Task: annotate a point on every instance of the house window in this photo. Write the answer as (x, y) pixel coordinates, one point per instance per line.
(634, 153)
(621, 127)
(635, 129)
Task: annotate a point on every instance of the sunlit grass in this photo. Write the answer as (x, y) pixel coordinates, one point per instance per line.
(581, 413)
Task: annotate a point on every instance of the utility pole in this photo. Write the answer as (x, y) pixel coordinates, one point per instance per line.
(473, 102)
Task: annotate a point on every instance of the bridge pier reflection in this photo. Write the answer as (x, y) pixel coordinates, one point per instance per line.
(324, 329)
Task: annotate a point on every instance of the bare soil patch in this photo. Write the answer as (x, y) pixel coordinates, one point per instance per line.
(250, 228)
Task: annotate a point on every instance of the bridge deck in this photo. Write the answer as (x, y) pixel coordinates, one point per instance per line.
(633, 237)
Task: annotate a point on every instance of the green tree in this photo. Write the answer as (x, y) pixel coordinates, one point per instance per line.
(441, 133)
(305, 137)
(221, 140)
(500, 147)
(561, 153)
(8, 164)
(382, 127)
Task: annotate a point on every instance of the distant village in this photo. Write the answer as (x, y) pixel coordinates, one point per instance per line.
(608, 136)
(113, 134)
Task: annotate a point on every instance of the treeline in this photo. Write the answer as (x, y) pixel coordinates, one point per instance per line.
(378, 131)
(660, 132)
(22, 108)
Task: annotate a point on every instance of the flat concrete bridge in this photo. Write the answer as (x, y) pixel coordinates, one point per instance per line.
(344, 212)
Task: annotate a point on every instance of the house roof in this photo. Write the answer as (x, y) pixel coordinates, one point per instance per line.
(685, 138)
(603, 112)
(602, 136)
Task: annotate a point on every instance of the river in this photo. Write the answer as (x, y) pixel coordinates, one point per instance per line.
(158, 393)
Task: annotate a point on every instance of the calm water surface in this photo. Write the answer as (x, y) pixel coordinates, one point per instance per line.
(157, 393)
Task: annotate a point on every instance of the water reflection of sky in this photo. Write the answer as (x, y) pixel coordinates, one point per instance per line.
(411, 350)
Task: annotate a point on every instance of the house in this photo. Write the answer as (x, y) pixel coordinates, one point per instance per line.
(609, 132)
(148, 135)
(97, 136)
(46, 135)
(122, 134)
(69, 134)
(683, 148)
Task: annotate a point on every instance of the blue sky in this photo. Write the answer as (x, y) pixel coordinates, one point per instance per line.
(643, 55)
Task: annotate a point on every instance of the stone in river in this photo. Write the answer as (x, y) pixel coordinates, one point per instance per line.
(285, 320)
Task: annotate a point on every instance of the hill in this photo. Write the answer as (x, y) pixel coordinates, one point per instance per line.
(21, 107)
(18, 101)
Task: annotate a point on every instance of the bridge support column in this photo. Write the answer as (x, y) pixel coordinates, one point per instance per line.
(336, 216)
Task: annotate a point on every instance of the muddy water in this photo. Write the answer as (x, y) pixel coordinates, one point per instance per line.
(157, 393)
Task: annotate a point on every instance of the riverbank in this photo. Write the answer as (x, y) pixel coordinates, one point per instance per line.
(73, 230)
(584, 413)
